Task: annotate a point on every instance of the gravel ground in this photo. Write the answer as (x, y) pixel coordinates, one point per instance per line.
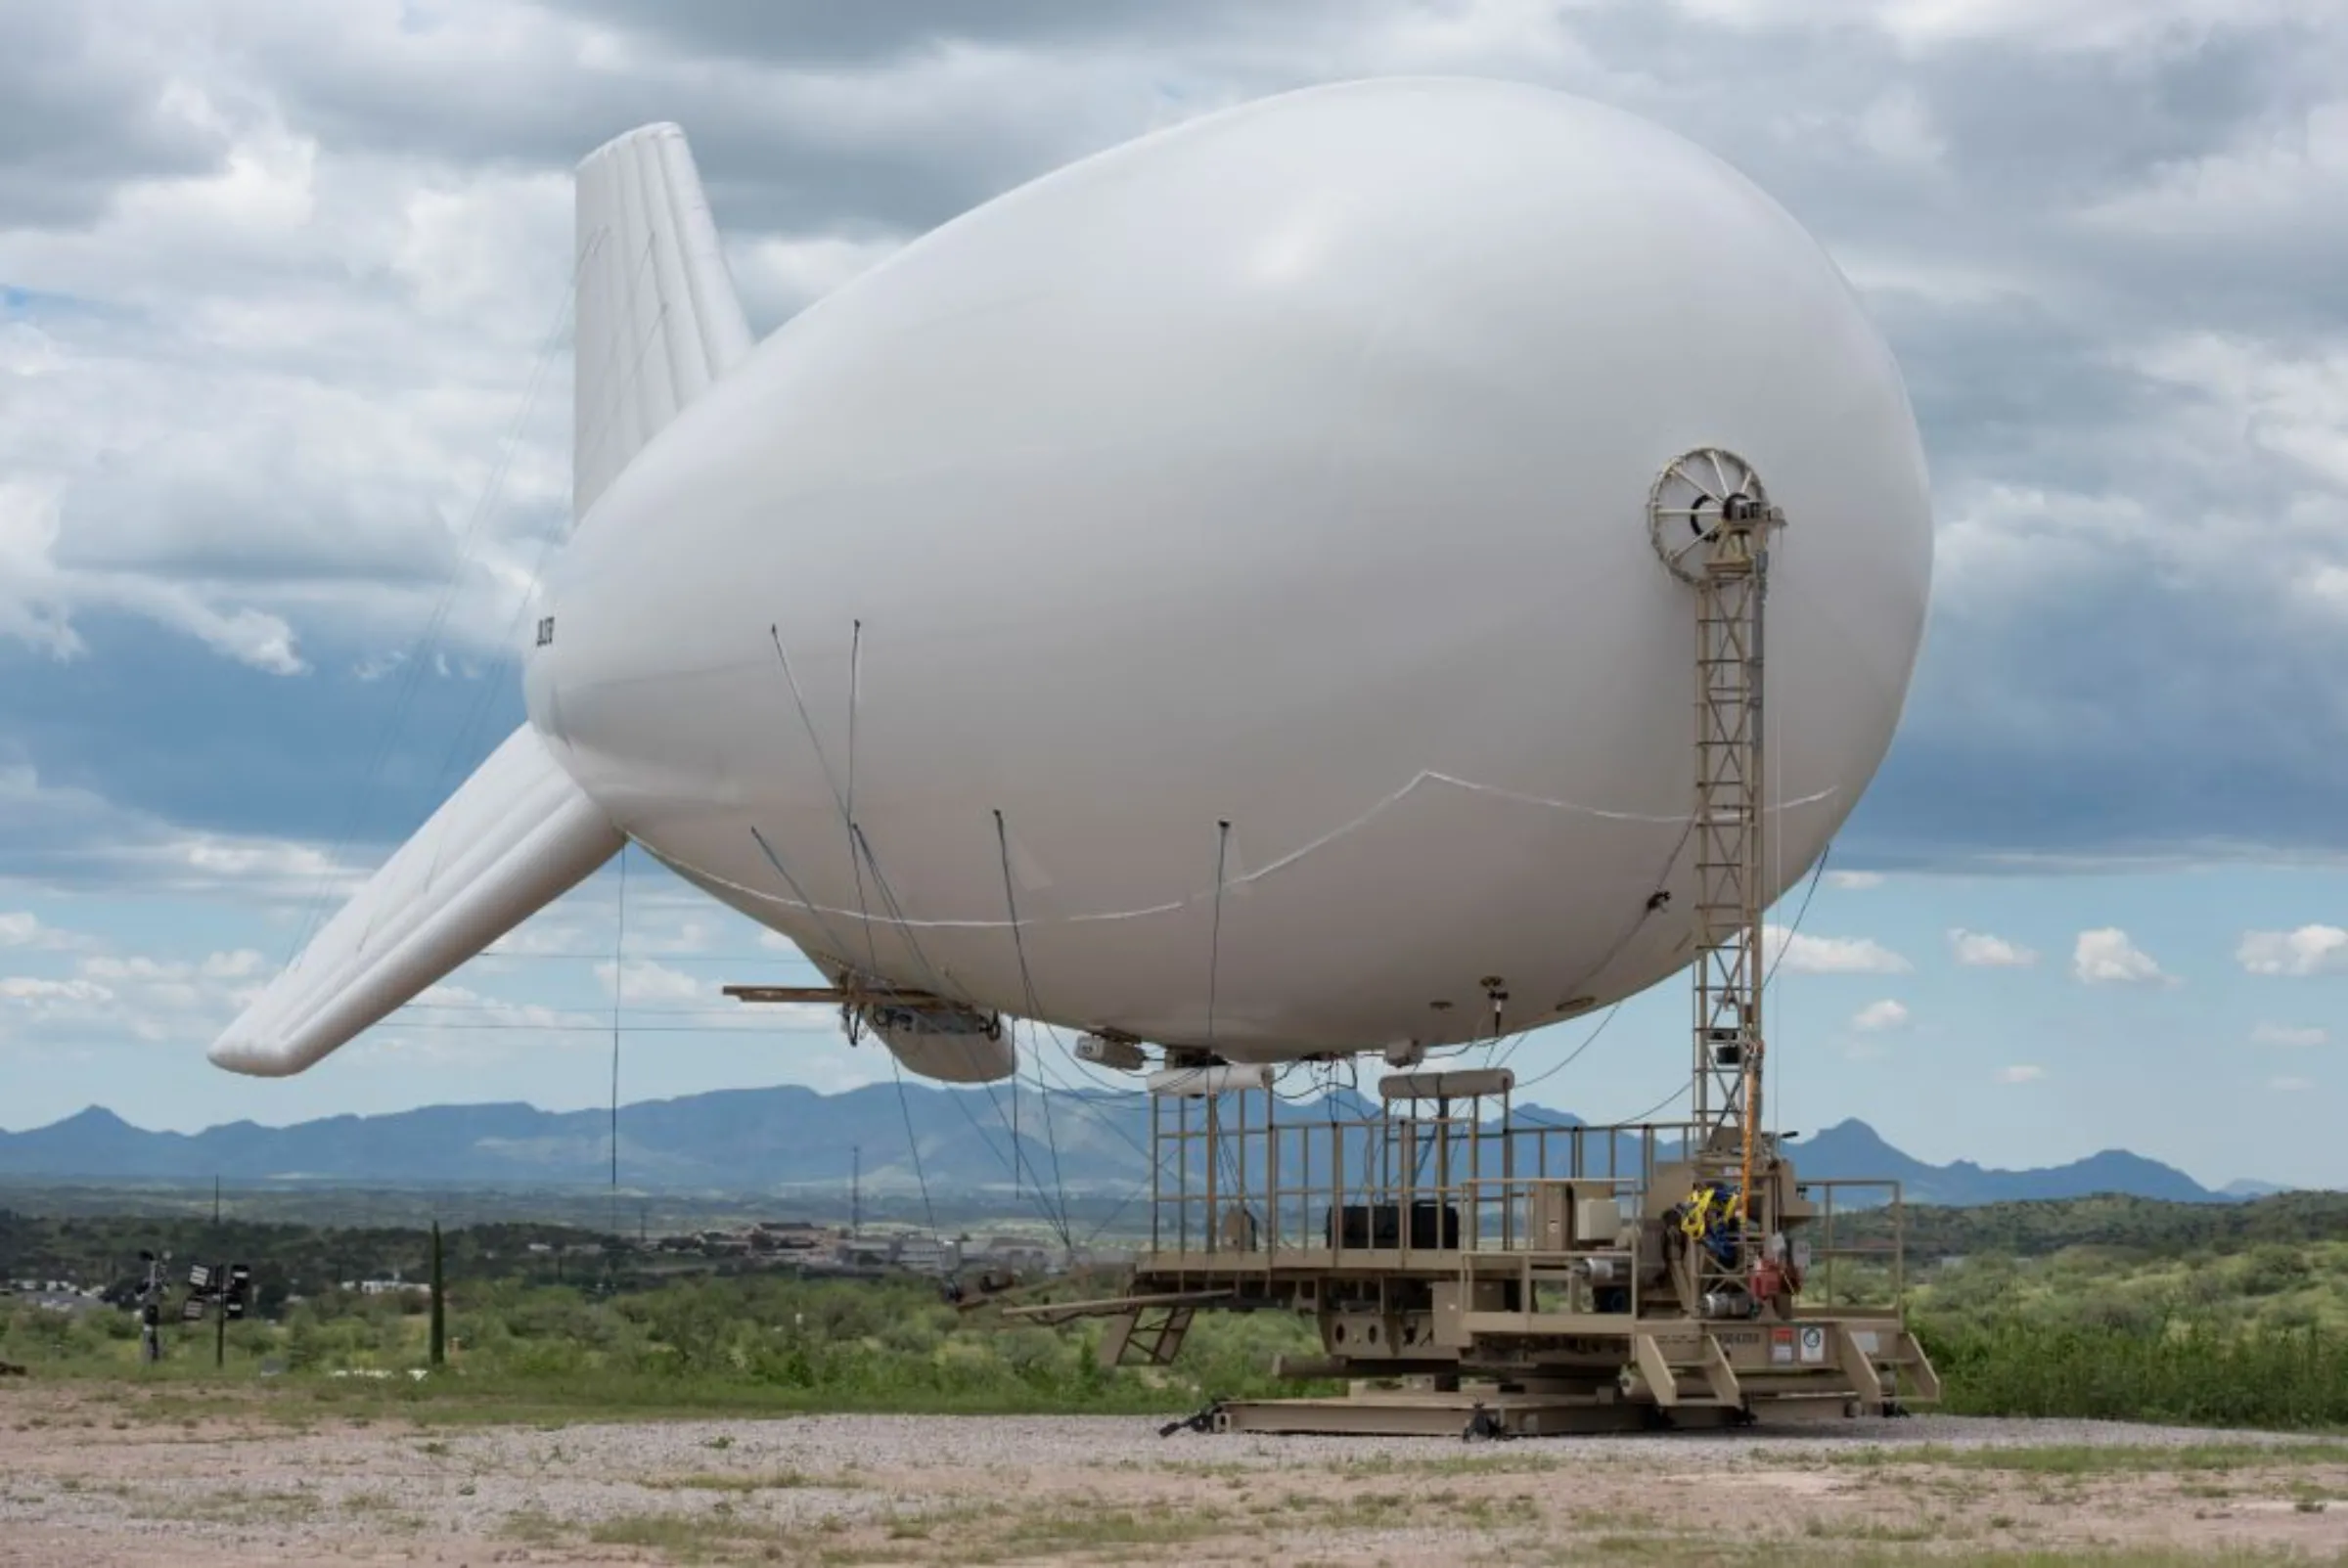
(95, 1478)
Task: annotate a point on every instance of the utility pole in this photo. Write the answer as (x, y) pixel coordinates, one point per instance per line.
(151, 1309)
(220, 1281)
(856, 1189)
(437, 1347)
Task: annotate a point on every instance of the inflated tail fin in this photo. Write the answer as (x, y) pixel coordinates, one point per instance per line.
(658, 323)
(658, 320)
(516, 836)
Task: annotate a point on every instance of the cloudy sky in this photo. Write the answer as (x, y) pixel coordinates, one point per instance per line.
(283, 438)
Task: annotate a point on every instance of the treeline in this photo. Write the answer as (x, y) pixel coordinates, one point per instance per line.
(2193, 1374)
(342, 1205)
(759, 1342)
(782, 1344)
(2099, 1308)
(2147, 1226)
(286, 1260)
(2269, 1286)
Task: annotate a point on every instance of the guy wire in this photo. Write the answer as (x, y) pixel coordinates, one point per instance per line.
(911, 1144)
(1214, 952)
(1035, 1007)
(620, 948)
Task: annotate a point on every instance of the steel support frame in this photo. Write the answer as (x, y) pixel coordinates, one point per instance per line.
(1730, 831)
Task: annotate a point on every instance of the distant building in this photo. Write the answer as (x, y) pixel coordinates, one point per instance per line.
(927, 1254)
(879, 1252)
(1018, 1253)
(55, 1297)
(864, 1251)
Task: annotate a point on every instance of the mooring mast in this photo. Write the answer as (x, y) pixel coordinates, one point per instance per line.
(1711, 523)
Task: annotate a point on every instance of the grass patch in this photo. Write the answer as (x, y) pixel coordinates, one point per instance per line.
(231, 1505)
(1115, 1532)
(2087, 1459)
(1704, 1551)
(533, 1527)
(773, 1481)
(1486, 1461)
(691, 1536)
(1877, 1530)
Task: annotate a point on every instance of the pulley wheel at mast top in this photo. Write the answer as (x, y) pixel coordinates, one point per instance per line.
(1689, 502)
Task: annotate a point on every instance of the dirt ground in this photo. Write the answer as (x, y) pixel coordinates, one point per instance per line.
(94, 1476)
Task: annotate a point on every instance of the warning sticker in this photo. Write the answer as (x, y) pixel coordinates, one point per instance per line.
(1781, 1345)
(1814, 1343)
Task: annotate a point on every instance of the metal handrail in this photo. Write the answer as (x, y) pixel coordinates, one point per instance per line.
(1292, 1184)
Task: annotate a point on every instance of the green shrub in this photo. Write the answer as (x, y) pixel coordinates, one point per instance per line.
(2193, 1374)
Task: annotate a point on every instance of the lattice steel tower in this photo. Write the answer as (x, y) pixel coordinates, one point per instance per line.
(1711, 522)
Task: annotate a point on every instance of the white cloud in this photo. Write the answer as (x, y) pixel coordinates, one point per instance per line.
(2272, 189)
(686, 936)
(259, 871)
(30, 988)
(2309, 950)
(2059, 26)
(241, 964)
(24, 929)
(2020, 1075)
(2290, 1086)
(2293, 1035)
(644, 981)
(2106, 956)
(779, 276)
(1855, 881)
(135, 970)
(1979, 950)
(39, 596)
(555, 932)
(158, 999)
(2289, 405)
(474, 1006)
(1828, 954)
(289, 428)
(1880, 1015)
(139, 969)
(101, 843)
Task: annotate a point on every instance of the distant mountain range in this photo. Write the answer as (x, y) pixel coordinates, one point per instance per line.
(770, 1139)
(2247, 1189)
(1852, 1149)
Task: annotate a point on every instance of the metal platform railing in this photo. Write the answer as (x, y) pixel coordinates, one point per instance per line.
(1232, 1177)
(1449, 1187)
(1832, 1262)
